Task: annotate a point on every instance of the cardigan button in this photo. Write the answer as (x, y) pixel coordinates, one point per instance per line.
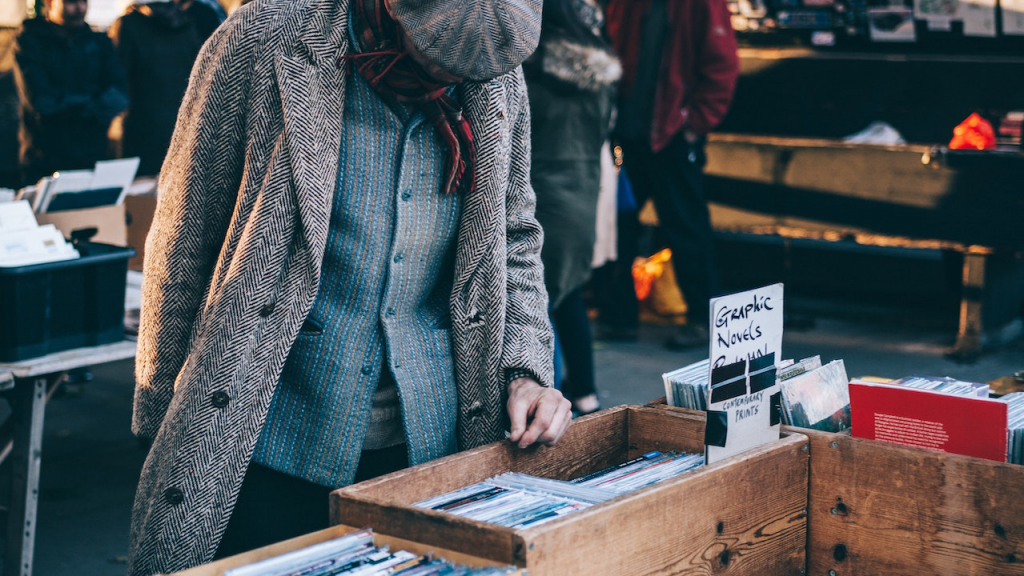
(174, 496)
(220, 399)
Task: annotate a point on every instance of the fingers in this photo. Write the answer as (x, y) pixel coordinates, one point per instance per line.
(519, 408)
(551, 418)
(558, 426)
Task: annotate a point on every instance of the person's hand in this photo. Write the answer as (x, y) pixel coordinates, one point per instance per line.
(539, 415)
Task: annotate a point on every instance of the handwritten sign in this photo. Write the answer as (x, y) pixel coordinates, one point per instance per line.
(743, 396)
(746, 325)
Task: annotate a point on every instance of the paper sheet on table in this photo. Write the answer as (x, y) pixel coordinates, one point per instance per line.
(115, 174)
(15, 216)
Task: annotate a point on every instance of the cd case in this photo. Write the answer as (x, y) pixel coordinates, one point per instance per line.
(521, 500)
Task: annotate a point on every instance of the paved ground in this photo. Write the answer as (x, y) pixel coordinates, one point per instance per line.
(91, 461)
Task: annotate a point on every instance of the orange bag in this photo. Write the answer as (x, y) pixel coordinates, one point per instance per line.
(647, 270)
(656, 288)
(974, 133)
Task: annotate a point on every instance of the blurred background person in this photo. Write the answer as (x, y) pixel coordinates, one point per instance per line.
(71, 87)
(680, 68)
(571, 82)
(157, 43)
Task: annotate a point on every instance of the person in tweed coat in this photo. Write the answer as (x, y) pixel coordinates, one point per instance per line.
(234, 256)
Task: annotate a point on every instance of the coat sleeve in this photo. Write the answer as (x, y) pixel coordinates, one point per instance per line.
(197, 191)
(717, 66)
(528, 339)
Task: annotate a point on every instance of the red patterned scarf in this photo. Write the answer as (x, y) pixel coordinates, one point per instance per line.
(390, 69)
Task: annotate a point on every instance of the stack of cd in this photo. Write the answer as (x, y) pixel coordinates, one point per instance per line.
(587, 494)
(1015, 422)
(356, 555)
(815, 396)
(789, 369)
(944, 385)
(687, 387)
(520, 500)
(503, 505)
(646, 470)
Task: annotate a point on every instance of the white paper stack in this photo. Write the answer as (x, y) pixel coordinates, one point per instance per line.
(23, 242)
(105, 185)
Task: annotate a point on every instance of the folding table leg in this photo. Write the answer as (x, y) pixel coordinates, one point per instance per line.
(28, 403)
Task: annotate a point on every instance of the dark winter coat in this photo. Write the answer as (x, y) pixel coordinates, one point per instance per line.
(71, 88)
(571, 88)
(157, 44)
(699, 61)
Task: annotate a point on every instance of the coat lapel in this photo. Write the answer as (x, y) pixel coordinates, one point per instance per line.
(311, 84)
(484, 106)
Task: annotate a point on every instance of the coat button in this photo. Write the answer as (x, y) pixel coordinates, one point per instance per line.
(367, 370)
(174, 496)
(267, 310)
(220, 399)
(475, 410)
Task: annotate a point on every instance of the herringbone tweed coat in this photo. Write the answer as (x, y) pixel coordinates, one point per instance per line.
(233, 264)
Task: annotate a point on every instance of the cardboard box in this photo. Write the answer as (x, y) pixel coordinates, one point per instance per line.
(745, 514)
(139, 211)
(876, 508)
(108, 220)
(219, 567)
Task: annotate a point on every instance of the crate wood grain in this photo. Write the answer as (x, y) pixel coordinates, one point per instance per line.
(880, 509)
(219, 567)
(745, 515)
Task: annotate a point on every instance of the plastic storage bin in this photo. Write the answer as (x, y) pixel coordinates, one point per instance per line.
(55, 306)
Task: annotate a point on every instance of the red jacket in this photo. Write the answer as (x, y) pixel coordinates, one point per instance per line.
(699, 64)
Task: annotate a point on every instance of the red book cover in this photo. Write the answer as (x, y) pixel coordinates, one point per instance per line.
(925, 419)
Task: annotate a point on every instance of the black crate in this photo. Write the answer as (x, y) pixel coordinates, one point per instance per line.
(57, 306)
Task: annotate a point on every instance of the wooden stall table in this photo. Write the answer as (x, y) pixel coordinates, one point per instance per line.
(781, 204)
(27, 385)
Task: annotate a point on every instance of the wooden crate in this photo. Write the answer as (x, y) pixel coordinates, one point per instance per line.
(881, 509)
(219, 567)
(878, 508)
(744, 515)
